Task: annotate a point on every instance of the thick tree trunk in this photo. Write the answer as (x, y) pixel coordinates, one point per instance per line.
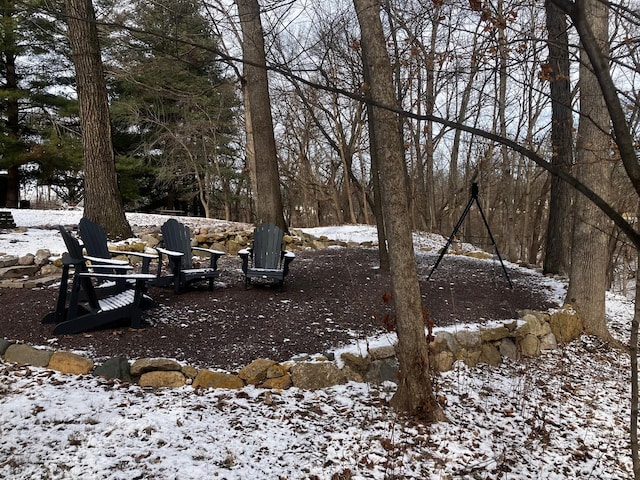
(414, 394)
(102, 202)
(266, 181)
(587, 286)
(557, 255)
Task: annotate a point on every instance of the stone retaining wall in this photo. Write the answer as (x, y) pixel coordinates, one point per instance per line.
(533, 333)
(516, 340)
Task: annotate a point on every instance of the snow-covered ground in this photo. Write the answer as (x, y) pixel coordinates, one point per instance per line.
(563, 415)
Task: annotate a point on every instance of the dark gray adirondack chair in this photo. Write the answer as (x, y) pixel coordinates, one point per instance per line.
(176, 239)
(267, 258)
(87, 307)
(95, 242)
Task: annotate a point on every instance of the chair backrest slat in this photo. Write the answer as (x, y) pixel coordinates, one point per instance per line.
(267, 246)
(177, 237)
(74, 249)
(94, 238)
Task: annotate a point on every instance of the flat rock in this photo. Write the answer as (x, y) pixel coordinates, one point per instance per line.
(18, 271)
(144, 365)
(27, 355)
(160, 379)
(209, 379)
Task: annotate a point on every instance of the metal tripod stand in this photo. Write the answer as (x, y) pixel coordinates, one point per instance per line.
(474, 198)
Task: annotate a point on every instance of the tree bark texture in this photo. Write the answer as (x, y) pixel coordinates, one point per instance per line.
(587, 285)
(267, 196)
(557, 258)
(102, 201)
(414, 394)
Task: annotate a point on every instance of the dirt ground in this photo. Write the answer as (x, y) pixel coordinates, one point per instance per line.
(331, 297)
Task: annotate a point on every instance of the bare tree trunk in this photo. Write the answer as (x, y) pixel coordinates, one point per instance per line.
(268, 199)
(102, 201)
(557, 255)
(414, 394)
(587, 286)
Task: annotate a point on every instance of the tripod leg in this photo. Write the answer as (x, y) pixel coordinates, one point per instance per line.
(486, 224)
(451, 237)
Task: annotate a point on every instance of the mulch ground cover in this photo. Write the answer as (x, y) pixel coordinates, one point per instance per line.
(331, 297)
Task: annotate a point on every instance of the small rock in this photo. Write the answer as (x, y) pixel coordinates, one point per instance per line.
(316, 375)
(144, 365)
(27, 355)
(117, 368)
(28, 259)
(42, 256)
(278, 383)
(159, 379)
(490, 355)
(70, 363)
(529, 345)
(356, 362)
(209, 379)
(256, 371)
(508, 349)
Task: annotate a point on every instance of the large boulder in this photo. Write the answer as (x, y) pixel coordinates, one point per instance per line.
(566, 324)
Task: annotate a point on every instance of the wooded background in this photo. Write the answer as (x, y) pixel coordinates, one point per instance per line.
(177, 112)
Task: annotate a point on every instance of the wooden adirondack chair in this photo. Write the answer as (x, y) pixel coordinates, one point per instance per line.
(95, 242)
(267, 259)
(176, 239)
(87, 307)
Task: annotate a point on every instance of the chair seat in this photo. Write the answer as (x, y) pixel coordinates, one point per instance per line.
(120, 300)
(265, 272)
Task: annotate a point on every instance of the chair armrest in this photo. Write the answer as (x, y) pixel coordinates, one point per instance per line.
(288, 254)
(134, 254)
(244, 251)
(115, 268)
(169, 253)
(115, 276)
(214, 255)
(208, 250)
(112, 262)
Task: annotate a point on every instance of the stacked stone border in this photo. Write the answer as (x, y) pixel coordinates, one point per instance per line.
(528, 336)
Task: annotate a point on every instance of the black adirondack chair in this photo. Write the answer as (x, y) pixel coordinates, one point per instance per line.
(176, 240)
(266, 259)
(88, 307)
(95, 242)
